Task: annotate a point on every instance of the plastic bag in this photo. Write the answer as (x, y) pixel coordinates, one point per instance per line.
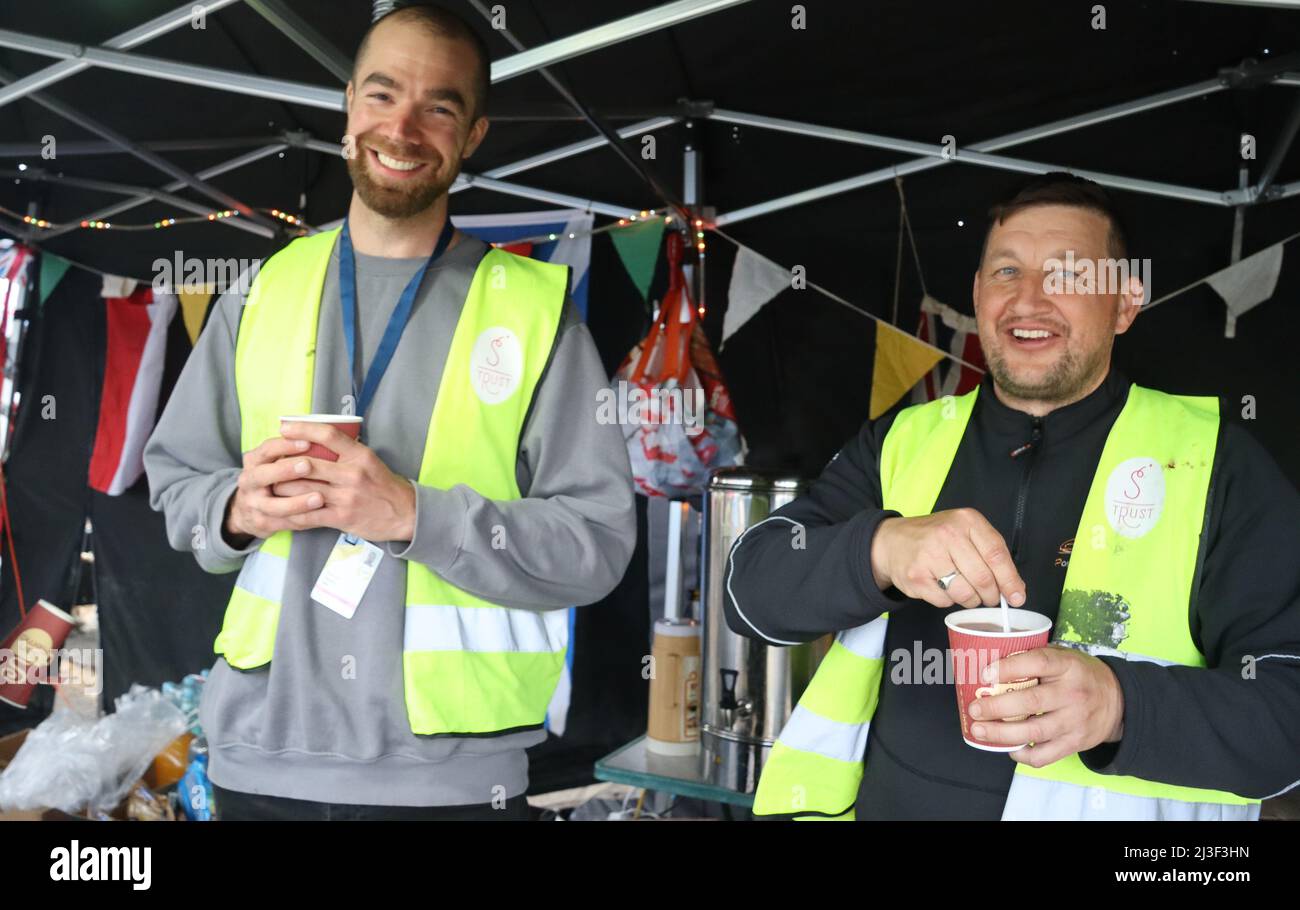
(679, 422)
(72, 763)
(719, 417)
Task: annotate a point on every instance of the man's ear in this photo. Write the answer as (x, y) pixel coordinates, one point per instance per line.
(476, 134)
(1130, 304)
(347, 93)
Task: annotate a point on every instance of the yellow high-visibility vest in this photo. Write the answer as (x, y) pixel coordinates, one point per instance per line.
(469, 666)
(1136, 553)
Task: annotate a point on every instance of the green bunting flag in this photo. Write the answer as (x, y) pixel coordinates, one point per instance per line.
(52, 271)
(638, 247)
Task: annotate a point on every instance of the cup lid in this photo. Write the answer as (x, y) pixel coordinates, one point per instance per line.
(677, 628)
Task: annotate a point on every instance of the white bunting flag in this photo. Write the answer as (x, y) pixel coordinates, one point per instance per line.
(754, 281)
(1248, 283)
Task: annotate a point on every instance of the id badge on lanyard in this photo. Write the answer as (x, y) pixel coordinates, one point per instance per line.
(347, 573)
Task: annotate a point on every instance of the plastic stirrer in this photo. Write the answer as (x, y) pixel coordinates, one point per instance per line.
(1006, 615)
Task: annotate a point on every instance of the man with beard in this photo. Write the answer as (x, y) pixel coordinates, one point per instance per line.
(398, 627)
(1159, 539)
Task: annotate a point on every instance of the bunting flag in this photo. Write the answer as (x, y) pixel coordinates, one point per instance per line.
(1246, 284)
(15, 262)
(117, 286)
(575, 251)
(194, 308)
(522, 248)
(956, 333)
(638, 247)
(901, 360)
(15, 271)
(133, 365)
(53, 269)
(754, 281)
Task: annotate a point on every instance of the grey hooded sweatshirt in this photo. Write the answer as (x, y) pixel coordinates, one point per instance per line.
(326, 720)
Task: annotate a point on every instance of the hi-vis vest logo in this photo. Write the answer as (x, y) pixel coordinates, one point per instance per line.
(496, 365)
(1135, 494)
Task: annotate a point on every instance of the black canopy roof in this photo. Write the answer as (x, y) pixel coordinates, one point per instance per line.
(909, 70)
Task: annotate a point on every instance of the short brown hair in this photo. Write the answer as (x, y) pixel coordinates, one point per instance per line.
(1060, 188)
(442, 23)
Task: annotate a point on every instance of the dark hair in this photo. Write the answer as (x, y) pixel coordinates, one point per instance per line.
(1060, 188)
(443, 23)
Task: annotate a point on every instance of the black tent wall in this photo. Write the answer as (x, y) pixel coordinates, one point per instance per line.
(158, 612)
(45, 476)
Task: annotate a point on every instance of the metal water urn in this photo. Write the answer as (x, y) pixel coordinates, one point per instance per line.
(750, 688)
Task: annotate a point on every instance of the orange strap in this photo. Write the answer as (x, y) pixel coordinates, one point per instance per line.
(676, 333)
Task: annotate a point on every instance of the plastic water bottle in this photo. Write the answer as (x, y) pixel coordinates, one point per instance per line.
(195, 788)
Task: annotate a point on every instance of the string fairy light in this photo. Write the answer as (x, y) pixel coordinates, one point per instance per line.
(94, 224)
(633, 219)
(285, 216)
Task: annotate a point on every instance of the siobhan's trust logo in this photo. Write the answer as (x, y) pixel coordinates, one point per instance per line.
(1135, 496)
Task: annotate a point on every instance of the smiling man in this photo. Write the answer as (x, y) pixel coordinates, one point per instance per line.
(1158, 538)
(398, 627)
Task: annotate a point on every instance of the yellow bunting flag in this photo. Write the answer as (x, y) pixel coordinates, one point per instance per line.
(194, 306)
(901, 361)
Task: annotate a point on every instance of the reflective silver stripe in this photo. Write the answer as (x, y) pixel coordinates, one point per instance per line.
(263, 574)
(1131, 656)
(1035, 799)
(1143, 658)
(1287, 789)
(439, 627)
(867, 640)
(810, 732)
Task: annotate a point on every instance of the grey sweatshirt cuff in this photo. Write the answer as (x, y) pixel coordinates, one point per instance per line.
(439, 528)
(218, 555)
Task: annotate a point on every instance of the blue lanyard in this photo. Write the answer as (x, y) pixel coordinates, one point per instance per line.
(396, 322)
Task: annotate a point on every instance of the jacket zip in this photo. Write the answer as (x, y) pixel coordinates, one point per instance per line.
(1022, 497)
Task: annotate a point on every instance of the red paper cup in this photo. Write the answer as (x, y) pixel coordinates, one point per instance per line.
(345, 423)
(27, 653)
(974, 649)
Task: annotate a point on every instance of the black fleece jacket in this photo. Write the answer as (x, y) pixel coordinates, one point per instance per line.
(1234, 725)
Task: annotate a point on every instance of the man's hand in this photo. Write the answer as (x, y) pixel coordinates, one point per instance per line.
(1076, 705)
(361, 495)
(255, 511)
(913, 553)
